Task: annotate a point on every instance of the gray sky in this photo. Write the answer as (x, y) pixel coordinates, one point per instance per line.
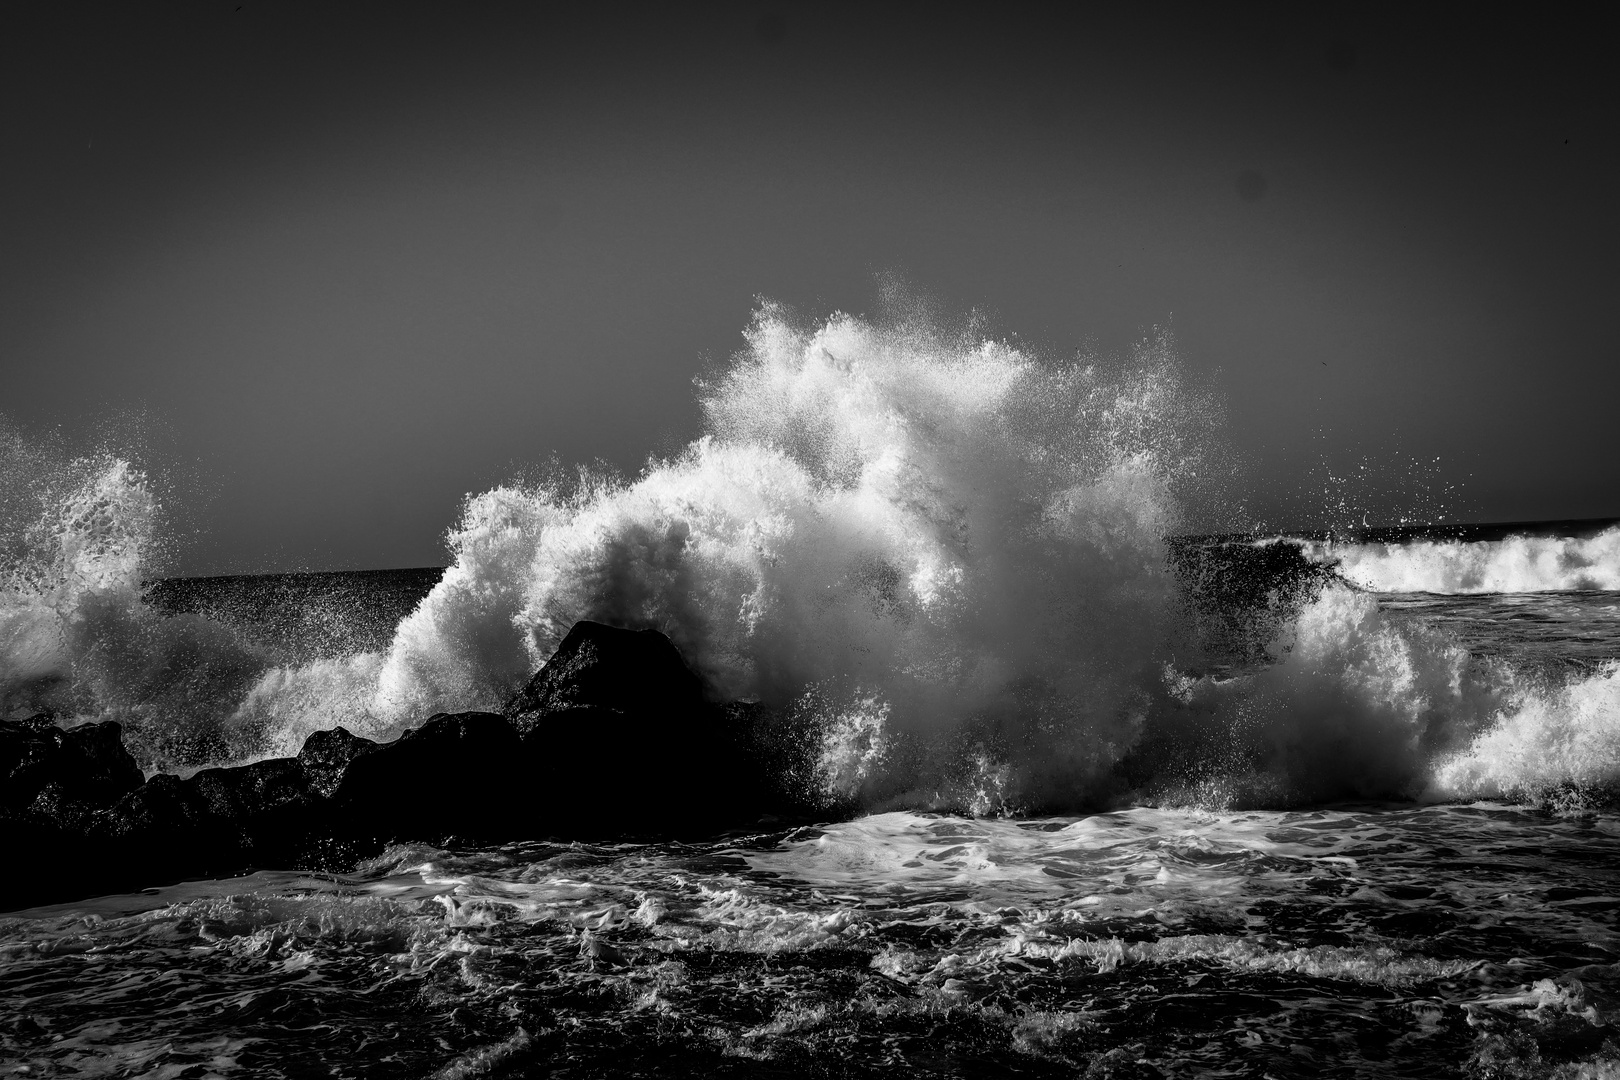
(354, 265)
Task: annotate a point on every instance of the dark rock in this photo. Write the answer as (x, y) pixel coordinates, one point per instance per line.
(102, 770)
(43, 857)
(259, 800)
(52, 784)
(457, 774)
(614, 736)
(26, 753)
(164, 810)
(618, 737)
(221, 820)
(218, 822)
(1235, 595)
(38, 720)
(327, 755)
(781, 747)
(159, 832)
(78, 769)
(630, 672)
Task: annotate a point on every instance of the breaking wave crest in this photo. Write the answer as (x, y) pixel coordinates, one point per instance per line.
(939, 523)
(1517, 564)
(1359, 703)
(956, 554)
(951, 553)
(76, 640)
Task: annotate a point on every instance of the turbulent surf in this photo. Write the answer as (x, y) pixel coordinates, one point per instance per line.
(1110, 783)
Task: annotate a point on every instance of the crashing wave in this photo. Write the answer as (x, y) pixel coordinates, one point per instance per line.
(953, 556)
(76, 639)
(944, 524)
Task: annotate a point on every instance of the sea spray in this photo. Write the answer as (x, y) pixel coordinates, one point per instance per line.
(74, 541)
(945, 525)
(945, 562)
(1557, 746)
(1352, 704)
(76, 638)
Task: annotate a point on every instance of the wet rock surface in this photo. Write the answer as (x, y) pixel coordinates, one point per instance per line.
(86, 765)
(327, 755)
(613, 711)
(455, 775)
(635, 674)
(53, 784)
(618, 710)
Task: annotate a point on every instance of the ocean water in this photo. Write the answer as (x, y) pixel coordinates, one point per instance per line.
(1378, 941)
(1100, 800)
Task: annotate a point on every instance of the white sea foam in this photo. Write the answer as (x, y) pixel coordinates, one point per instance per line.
(927, 528)
(1362, 704)
(74, 553)
(1555, 744)
(1354, 705)
(951, 551)
(1514, 565)
(76, 638)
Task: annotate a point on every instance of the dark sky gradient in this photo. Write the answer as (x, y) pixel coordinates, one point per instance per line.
(357, 264)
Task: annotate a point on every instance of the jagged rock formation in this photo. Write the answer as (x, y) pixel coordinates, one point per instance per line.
(613, 736)
(616, 724)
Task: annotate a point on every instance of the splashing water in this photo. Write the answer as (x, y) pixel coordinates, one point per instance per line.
(953, 563)
(951, 552)
(945, 525)
(1515, 564)
(76, 639)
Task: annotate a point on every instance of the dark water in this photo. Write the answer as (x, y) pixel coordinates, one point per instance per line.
(1477, 940)
(1356, 941)
(302, 616)
(1549, 632)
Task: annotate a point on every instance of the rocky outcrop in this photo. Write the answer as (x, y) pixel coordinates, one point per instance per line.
(634, 676)
(618, 736)
(327, 755)
(614, 736)
(455, 776)
(54, 782)
(63, 772)
(212, 822)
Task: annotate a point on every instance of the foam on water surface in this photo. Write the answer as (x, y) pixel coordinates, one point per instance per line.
(1370, 941)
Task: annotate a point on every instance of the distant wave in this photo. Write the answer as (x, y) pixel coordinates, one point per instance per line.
(1516, 564)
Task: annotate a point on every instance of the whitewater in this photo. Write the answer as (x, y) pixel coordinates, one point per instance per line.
(954, 552)
(1107, 785)
(1516, 564)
